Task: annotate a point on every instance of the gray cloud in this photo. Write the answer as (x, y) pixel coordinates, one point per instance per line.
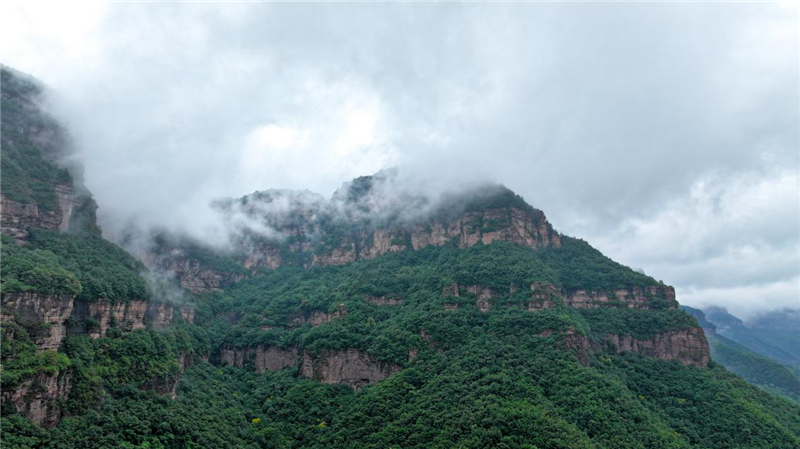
(665, 134)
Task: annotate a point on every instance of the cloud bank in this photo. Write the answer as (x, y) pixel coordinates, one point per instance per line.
(664, 134)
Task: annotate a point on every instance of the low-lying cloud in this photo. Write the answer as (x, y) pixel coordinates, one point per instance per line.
(665, 134)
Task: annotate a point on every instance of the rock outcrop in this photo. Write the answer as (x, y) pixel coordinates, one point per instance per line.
(192, 274)
(259, 358)
(17, 218)
(351, 367)
(95, 317)
(545, 295)
(688, 346)
(47, 312)
(318, 317)
(50, 318)
(384, 300)
(38, 398)
(633, 298)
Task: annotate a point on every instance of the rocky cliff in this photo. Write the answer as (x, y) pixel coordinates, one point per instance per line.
(259, 358)
(545, 295)
(279, 227)
(48, 313)
(350, 367)
(54, 317)
(38, 398)
(688, 346)
(18, 217)
(193, 274)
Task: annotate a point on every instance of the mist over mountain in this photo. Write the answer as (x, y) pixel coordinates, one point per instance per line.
(667, 135)
(400, 225)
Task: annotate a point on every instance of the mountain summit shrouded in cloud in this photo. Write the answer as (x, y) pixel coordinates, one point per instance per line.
(649, 129)
(322, 225)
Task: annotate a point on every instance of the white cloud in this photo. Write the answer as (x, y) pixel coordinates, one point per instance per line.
(666, 134)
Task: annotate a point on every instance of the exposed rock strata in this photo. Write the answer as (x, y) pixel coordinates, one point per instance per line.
(56, 316)
(50, 310)
(38, 397)
(633, 298)
(689, 346)
(17, 218)
(260, 358)
(351, 367)
(384, 300)
(193, 275)
(545, 295)
(318, 317)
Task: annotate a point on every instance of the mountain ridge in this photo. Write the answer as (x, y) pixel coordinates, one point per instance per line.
(493, 330)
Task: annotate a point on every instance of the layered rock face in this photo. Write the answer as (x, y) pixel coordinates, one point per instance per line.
(260, 358)
(384, 300)
(545, 295)
(317, 317)
(689, 346)
(351, 367)
(273, 228)
(634, 298)
(507, 224)
(192, 274)
(56, 316)
(17, 218)
(51, 311)
(129, 316)
(37, 398)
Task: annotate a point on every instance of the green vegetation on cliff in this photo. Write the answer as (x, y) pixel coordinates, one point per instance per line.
(84, 265)
(27, 177)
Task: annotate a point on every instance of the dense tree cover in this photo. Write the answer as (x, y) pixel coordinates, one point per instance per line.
(509, 378)
(270, 308)
(27, 177)
(103, 269)
(506, 392)
(641, 324)
(25, 268)
(141, 359)
(22, 359)
(755, 368)
(710, 408)
(582, 267)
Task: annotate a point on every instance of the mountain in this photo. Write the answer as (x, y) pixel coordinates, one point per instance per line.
(775, 335)
(753, 366)
(384, 316)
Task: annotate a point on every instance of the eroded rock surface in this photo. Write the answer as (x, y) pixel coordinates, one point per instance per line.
(17, 218)
(51, 311)
(384, 300)
(351, 367)
(260, 358)
(37, 398)
(689, 346)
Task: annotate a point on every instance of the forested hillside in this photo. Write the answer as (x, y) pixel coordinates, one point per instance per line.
(472, 323)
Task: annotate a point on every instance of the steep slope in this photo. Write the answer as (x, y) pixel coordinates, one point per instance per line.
(753, 367)
(60, 278)
(377, 318)
(779, 342)
(365, 218)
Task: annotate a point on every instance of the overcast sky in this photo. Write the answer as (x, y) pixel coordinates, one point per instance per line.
(664, 134)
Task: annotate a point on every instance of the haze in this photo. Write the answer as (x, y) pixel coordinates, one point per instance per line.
(666, 135)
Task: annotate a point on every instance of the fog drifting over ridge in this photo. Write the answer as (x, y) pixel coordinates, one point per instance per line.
(666, 135)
